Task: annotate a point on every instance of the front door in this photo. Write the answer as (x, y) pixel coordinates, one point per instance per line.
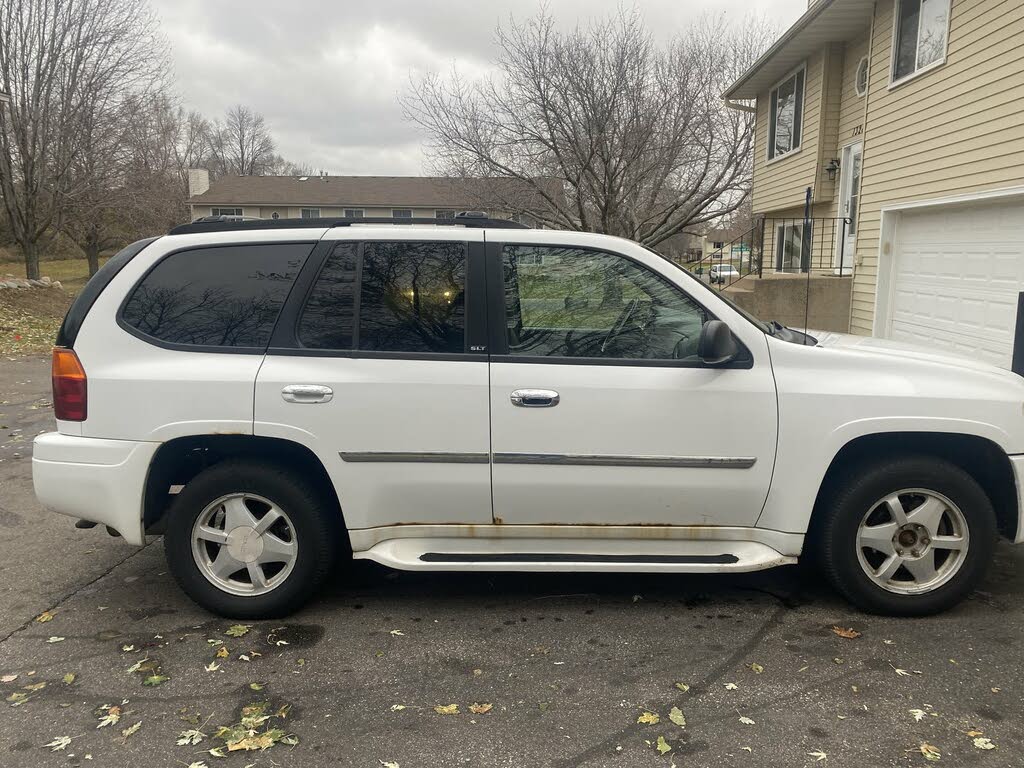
(601, 411)
(372, 367)
(849, 197)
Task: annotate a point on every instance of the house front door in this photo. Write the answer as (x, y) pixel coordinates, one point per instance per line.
(849, 197)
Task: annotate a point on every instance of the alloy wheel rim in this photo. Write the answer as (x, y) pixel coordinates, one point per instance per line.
(244, 544)
(912, 541)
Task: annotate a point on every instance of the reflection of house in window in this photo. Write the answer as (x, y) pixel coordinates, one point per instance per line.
(792, 247)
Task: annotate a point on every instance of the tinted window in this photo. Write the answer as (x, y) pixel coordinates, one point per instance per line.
(412, 299)
(329, 316)
(567, 302)
(222, 297)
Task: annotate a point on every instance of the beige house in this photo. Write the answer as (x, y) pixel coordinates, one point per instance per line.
(293, 197)
(905, 120)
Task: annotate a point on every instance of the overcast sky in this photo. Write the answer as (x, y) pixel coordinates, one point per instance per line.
(326, 73)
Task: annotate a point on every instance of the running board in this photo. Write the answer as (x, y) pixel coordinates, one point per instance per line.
(559, 554)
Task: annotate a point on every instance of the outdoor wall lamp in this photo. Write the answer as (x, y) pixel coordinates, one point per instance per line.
(832, 168)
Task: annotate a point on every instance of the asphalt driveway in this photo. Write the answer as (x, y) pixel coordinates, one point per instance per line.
(542, 670)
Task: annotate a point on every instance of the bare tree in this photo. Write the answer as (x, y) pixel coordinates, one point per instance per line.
(609, 132)
(63, 62)
(242, 145)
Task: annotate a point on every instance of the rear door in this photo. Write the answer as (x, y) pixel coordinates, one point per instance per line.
(379, 365)
(601, 411)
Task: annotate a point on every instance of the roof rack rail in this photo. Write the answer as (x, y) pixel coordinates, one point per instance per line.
(468, 219)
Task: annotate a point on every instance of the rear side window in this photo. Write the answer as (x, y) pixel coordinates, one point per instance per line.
(410, 297)
(226, 296)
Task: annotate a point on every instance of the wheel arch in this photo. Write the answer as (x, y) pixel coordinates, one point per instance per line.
(981, 458)
(179, 460)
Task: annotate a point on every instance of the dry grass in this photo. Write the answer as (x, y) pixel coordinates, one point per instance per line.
(30, 317)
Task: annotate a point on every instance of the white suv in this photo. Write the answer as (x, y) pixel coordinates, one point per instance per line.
(273, 396)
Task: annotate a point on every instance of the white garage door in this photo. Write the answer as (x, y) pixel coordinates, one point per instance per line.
(957, 273)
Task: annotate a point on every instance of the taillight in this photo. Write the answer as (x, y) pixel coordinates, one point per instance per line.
(69, 385)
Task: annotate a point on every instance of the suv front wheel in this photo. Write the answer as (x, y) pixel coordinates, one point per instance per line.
(906, 537)
(249, 539)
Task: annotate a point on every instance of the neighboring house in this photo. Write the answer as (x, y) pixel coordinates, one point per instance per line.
(906, 120)
(725, 244)
(285, 197)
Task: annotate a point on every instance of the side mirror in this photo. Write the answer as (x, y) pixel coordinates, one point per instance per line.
(717, 345)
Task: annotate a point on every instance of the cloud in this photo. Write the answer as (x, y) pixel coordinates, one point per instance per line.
(327, 75)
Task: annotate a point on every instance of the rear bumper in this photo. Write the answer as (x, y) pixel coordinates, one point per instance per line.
(1017, 462)
(93, 479)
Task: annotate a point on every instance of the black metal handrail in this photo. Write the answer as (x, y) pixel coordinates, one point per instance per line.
(778, 245)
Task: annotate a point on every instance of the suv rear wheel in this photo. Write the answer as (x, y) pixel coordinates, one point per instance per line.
(249, 539)
(906, 537)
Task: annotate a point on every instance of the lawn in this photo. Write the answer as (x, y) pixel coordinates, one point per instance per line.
(29, 318)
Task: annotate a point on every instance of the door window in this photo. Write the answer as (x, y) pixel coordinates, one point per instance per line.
(572, 302)
(227, 296)
(411, 299)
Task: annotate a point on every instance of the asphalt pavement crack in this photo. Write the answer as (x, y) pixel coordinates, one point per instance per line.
(76, 590)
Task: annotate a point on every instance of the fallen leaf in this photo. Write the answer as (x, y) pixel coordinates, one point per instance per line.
(447, 709)
(388, 764)
(35, 686)
(919, 714)
(155, 680)
(190, 737)
(213, 666)
(45, 616)
(397, 633)
(55, 639)
(930, 752)
(222, 652)
(972, 734)
(676, 716)
(982, 743)
(649, 718)
(901, 672)
(127, 648)
(747, 721)
(113, 714)
(131, 729)
(477, 672)
(217, 752)
(731, 686)
(849, 634)
(256, 686)
(8, 678)
(818, 756)
(198, 764)
(397, 707)
(996, 690)
(480, 709)
(58, 744)
(662, 746)
(237, 630)
(682, 687)
(69, 678)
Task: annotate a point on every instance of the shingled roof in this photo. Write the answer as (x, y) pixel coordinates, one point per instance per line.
(370, 191)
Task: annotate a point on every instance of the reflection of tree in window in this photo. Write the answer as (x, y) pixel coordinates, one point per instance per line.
(413, 297)
(329, 315)
(225, 297)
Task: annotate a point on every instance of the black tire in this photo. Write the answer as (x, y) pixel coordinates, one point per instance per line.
(314, 516)
(861, 486)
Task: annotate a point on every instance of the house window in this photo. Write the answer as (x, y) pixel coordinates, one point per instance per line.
(860, 83)
(787, 106)
(718, 244)
(225, 211)
(919, 39)
(311, 213)
(354, 213)
(792, 247)
(401, 213)
(444, 213)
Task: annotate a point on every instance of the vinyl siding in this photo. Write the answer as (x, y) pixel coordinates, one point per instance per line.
(851, 109)
(781, 183)
(956, 129)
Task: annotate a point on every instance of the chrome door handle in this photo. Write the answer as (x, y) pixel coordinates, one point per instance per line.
(307, 393)
(535, 398)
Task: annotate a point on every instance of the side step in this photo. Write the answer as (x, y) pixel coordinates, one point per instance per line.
(566, 554)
